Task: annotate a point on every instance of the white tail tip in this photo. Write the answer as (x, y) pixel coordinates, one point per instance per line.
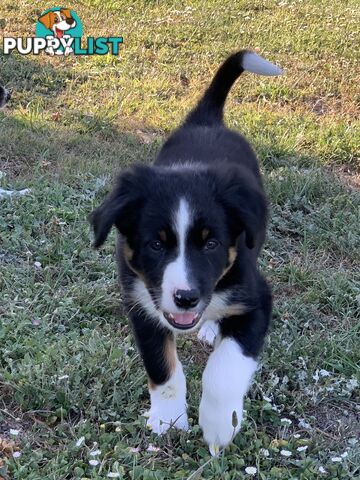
(252, 62)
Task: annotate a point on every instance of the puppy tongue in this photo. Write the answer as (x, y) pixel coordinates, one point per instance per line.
(184, 318)
(59, 33)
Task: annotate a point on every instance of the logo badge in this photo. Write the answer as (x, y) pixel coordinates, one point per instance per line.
(59, 23)
(59, 32)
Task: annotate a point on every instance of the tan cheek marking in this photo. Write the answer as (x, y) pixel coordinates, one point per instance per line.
(235, 309)
(232, 254)
(128, 252)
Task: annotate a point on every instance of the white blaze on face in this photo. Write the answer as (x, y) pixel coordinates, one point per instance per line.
(175, 274)
(62, 25)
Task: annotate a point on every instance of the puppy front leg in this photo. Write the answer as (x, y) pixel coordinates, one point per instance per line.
(166, 379)
(226, 379)
(228, 374)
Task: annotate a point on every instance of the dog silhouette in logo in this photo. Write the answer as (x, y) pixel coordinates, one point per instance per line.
(58, 22)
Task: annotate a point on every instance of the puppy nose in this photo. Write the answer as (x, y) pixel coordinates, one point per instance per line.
(187, 298)
(70, 21)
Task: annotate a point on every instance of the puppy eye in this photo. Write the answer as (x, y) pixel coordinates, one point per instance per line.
(211, 244)
(156, 245)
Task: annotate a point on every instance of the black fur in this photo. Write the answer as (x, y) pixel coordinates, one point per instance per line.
(209, 111)
(5, 96)
(221, 181)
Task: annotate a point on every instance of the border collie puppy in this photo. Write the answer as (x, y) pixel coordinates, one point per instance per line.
(5, 96)
(191, 228)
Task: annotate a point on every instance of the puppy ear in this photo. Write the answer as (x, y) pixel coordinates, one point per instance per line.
(122, 207)
(245, 204)
(47, 20)
(66, 12)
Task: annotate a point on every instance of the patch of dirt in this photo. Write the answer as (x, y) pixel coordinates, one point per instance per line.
(348, 175)
(340, 422)
(13, 168)
(193, 350)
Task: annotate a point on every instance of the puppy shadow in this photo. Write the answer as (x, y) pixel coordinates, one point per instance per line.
(28, 78)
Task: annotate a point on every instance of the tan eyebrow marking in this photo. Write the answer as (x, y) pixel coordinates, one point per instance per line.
(204, 234)
(162, 235)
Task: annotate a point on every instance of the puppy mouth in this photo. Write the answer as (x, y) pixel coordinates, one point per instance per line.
(59, 32)
(183, 321)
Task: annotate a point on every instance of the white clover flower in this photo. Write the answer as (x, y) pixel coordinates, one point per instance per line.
(336, 459)
(251, 470)
(322, 469)
(151, 448)
(16, 454)
(94, 463)
(275, 380)
(80, 441)
(304, 424)
(113, 475)
(302, 449)
(324, 373)
(264, 452)
(296, 435)
(287, 421)
(285, 453)
(14, 432)
(95, 453)
(344, 455)
(352, 384)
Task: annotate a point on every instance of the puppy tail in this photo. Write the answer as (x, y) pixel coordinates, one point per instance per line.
(209, 110)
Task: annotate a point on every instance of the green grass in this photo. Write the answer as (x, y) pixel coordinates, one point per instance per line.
(68, 366)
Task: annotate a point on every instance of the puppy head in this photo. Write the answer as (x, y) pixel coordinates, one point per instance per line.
(5, 96)
(182, 232)
(58, 21)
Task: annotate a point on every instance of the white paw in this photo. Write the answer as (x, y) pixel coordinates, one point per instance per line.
(226, 379)
(160, 422)
(220, 420)
(168, 404)
(208, 332)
